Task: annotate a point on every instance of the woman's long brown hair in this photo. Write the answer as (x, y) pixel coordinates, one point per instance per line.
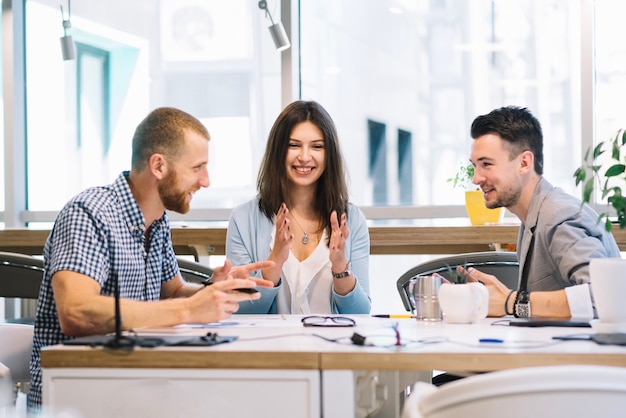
(331, 192)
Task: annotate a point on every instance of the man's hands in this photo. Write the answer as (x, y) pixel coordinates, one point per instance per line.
(221, 299)
(227, 271)
(83, 310)
(498, 292)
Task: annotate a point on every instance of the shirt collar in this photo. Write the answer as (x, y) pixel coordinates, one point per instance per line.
(130, 209)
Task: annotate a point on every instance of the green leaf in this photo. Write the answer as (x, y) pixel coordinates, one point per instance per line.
(615, 170)
(587, 191)
(591, 171)
(615, 150)
(597, 151)
(463, 176)
(580, 174)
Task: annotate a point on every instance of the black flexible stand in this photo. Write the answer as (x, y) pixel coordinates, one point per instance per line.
(128, 342)
(119, 341)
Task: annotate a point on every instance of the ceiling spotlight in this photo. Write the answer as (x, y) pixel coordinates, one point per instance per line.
(67, 43)
(281, 41)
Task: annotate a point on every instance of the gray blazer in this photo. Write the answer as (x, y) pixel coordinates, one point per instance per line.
(567, 236)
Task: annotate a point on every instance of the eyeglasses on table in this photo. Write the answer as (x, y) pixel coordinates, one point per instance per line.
(327, 321)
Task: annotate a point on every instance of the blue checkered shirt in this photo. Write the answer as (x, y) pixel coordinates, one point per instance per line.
(100, 233)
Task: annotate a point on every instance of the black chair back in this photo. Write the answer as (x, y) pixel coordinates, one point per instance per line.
(20, 278)
(502, 264)
(20, 275)
(193, 271)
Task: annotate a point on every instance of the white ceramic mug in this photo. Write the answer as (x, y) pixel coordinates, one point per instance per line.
(608, 286)
(463, 303)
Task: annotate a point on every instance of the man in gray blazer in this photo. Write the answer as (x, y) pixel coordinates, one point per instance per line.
(558, 235)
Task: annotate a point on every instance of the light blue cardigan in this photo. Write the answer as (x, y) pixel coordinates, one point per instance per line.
(248, 239)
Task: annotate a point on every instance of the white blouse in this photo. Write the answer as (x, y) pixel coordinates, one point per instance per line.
(306, 285)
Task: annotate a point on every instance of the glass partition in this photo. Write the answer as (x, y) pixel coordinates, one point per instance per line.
(405, 79)
(214, 59)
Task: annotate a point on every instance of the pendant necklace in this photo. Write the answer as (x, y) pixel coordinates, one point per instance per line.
(305, 237)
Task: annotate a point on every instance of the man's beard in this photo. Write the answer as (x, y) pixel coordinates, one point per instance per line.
(505, 199)
(172, 197)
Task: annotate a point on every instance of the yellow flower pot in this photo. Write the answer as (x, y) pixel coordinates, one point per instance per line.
(478, 213)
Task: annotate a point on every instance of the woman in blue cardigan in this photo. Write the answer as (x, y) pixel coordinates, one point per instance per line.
(302, 220)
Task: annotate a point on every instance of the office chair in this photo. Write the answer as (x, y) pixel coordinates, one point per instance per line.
(15, 348)
(6, 389)
(570, 391)
(193, 271)
(502, 264)
(20, 277)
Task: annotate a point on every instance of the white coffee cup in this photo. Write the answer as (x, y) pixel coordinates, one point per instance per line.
(463, 303)
(608, 286)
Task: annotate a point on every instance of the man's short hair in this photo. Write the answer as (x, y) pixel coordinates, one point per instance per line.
(518, 127)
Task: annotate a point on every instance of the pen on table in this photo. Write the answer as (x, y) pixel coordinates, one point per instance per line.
(394, 316)
(491, 340)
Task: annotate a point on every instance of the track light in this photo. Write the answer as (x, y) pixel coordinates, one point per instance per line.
(279, 36)
(67, 43)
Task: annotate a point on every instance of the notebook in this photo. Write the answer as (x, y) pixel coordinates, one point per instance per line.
(137, 341)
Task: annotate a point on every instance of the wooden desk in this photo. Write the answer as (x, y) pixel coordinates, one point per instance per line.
(384, 240)
(314, 377)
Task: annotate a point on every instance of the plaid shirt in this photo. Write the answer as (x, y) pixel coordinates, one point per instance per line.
(100, 233)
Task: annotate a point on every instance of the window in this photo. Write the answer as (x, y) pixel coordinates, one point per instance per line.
(429, 68)
(424, 67)
(378, 162)
(405, 167)
(610, 76)
(203, 57)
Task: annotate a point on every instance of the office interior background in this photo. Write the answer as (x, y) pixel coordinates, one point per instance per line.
(403, 80)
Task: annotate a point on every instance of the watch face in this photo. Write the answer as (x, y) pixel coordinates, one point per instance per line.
(522, 310)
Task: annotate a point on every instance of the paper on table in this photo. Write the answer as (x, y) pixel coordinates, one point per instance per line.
(183, 328)
(237, 321)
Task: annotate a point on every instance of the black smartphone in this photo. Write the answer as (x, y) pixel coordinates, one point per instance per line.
(573, 337)
(247, 290)
(609, 339)
(208, 282)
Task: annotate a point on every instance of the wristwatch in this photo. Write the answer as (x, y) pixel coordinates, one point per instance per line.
(522, 304)
(347, 272)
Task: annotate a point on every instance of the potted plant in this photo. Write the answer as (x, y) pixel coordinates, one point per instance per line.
(457, 275)
(462, 302)
(609, 183)
(478, 213)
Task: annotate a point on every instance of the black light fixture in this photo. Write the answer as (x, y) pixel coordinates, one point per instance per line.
(281, 41)
(67, 43)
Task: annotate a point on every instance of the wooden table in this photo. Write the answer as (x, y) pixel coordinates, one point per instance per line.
(384, 240)
(314, 376)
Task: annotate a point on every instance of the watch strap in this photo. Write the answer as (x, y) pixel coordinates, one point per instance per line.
(347, 272)
(522, 304)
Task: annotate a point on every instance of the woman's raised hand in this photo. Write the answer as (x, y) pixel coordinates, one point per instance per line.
(339, 234)
(282, 245)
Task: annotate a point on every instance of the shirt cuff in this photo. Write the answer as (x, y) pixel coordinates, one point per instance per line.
(579, 300)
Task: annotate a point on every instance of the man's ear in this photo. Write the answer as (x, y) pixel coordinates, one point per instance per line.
(527, 162)
(158, 166)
